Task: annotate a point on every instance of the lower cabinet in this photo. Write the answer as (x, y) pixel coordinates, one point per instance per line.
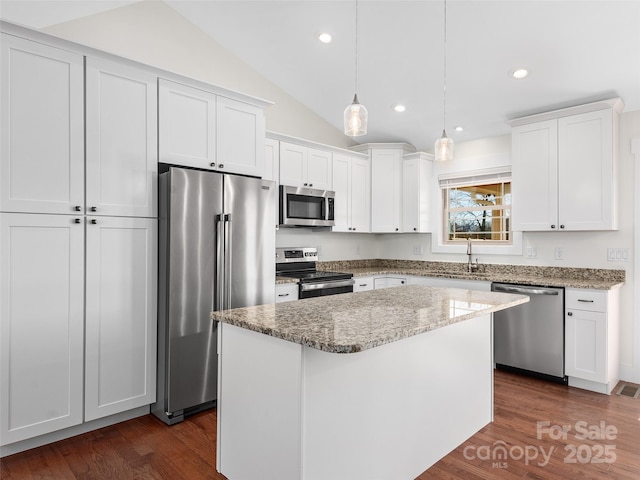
(286, 292)
(60, 365)
(591, 339)
(387, 282)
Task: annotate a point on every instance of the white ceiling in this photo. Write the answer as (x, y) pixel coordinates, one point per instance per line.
(576, 51)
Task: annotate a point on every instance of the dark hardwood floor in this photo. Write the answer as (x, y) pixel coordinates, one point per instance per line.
(145, 448)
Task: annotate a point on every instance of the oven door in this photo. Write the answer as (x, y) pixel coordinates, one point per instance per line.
(331, 287)
(306, 207)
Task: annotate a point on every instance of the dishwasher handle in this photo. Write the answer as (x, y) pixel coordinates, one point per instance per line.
(525, 290)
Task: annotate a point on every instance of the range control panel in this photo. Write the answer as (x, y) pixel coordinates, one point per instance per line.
(306, 254)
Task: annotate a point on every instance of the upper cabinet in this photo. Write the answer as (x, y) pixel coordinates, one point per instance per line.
(386, 184)
(564, 169)
(201, 129)
(302, 166)
(42, 109)
(122, 139)
(352, 185)
(187, 125)
(416, 194)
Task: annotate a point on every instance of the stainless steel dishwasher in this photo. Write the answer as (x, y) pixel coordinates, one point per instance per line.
(529, 338)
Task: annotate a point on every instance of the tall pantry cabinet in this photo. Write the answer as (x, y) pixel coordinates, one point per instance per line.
(78, 236)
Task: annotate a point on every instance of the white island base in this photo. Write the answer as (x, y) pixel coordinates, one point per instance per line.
(291, 412)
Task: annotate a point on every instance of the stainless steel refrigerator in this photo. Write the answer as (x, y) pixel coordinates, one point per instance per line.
(216, 251)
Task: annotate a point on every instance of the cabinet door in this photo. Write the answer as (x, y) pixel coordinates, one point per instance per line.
(240, 141)
(121, 321)
(271, 169)
(287, 292)
(41, 327)
(341, 186)
(585, 345)
(535, 176)
(41, 105)
(411, 195)
(386, 178)
(293, 165)
(122, 139)
(319, 169)
(360, 181)
(585, 172)
(187, 125)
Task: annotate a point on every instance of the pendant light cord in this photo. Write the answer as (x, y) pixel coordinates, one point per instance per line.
(356, 85)
(444, 96)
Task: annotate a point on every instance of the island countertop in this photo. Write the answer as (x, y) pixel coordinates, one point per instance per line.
(353, 322)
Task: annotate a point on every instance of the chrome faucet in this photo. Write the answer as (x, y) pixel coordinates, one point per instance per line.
(470, 265)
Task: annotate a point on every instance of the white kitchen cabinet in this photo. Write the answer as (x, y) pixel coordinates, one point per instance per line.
(591, 338)
(42, 324)
(42, 112)
(352, 186)
(271, 160)
(121, 321)
(388, 282)
(386, 185)
(416, 178)
(286, 292)
(302, 166)
(362, 284)
(564, 169)
(186, 125)
(240, 137)
(122, 139)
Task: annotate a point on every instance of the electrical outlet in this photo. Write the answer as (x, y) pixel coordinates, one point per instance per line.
(559, 254)
(418, 250)
(532, 252)
(618, 254)
(357, 249)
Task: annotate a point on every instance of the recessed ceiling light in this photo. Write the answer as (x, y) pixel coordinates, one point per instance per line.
(399, 108)
(325, 38)
(519, 73)
(459, 128)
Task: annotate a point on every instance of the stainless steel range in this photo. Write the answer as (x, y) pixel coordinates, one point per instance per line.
(300, 263)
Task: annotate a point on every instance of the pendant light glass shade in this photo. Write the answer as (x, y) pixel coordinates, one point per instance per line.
(443, 148)
(355, 119)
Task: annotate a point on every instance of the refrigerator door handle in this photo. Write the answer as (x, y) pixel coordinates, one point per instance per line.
(228, 242)
(219, 274)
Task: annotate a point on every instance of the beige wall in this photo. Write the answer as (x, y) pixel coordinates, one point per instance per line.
(153, 33)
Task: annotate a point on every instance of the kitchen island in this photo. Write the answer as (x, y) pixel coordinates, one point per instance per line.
(370, 385)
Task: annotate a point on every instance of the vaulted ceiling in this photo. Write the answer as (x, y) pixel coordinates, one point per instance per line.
(576, 51)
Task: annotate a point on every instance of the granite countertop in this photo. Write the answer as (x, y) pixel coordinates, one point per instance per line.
(589, 278)
(353, 322)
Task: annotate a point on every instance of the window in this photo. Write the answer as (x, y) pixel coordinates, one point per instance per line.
(477, 207)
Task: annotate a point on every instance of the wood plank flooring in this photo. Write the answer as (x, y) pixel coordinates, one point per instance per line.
(145, 448)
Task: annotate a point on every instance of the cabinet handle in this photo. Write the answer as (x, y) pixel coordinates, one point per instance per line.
(220, 165)
(586, 301)
(76, 220)
(396, 229)
(94, 209)
(94, 221)
(362, 284)
(561, 226)
(553, 226)
(306, 184)
(77, 208)
(283, 294)
(354, 229)
(414, 229)
(402, 282)
(311, 184)
(570, 314)
(212, 164)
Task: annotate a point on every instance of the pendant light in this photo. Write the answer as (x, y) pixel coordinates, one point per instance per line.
(355, 115)
(443, 147)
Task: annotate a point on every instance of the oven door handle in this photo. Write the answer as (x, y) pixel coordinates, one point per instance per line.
(305, 287)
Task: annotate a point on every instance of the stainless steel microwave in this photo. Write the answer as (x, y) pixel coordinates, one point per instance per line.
(306, 207)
